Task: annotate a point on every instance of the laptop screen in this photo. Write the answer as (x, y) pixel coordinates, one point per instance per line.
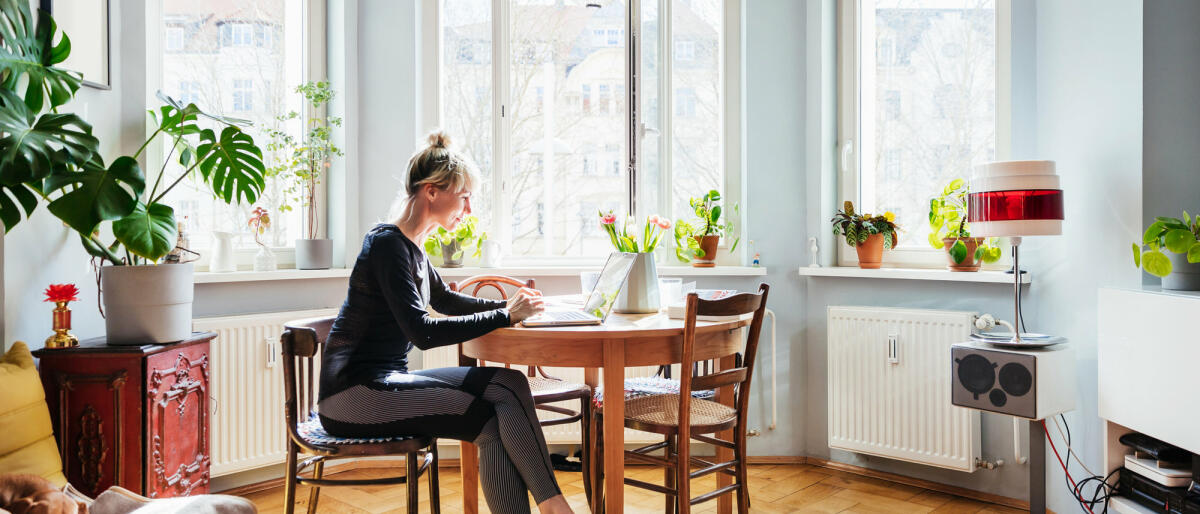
(608, 286)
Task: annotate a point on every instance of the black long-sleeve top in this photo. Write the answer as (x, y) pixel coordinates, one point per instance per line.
(385, 313)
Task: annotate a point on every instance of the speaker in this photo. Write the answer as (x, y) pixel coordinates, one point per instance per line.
(1029, 383)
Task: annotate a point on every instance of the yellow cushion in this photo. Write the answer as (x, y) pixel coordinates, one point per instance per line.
(28, 443)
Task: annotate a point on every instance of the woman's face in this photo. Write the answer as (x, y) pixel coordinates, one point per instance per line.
(449, 207)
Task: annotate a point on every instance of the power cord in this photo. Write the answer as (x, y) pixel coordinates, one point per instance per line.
(1103, 489)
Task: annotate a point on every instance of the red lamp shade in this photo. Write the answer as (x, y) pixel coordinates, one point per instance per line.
(1015, 198)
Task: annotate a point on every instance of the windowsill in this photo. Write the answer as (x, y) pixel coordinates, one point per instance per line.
(208, 277)
(944, 275)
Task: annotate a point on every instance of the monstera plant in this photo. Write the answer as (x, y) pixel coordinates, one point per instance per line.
(52, 157)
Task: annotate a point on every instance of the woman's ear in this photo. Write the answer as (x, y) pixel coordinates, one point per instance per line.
(430, 191)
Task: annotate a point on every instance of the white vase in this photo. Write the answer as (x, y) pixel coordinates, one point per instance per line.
(491, 254)
(640, 293)
(264, 260)
(222, 253)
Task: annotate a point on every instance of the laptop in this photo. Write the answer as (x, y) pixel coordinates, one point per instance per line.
(599, 302)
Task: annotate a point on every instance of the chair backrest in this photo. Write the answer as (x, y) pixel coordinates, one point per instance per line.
(739, 377)
(301, 342)
(497, 282)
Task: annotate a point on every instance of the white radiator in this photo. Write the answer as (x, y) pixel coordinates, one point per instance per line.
(247, 426)
(889, 386)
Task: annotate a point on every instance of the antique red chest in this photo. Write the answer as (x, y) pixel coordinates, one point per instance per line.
(133, 416)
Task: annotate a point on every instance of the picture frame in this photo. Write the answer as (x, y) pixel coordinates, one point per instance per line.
(87, 23)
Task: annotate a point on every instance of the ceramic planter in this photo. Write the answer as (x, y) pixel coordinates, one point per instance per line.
(147, 304)
(709, 245)
(969, 263)
(640, 293)
(448, 251)
(314, 253)
(1185, 276)
(870, 252)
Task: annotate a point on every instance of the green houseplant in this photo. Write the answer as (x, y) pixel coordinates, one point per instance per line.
(951, 231)
(1179, 266)
(450, 245)
(696, 241)
(303, 162)
(869, 235)
(52, 157)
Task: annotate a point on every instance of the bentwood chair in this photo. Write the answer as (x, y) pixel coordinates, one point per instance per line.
(546, 389)
(682, 418)
(302, 341)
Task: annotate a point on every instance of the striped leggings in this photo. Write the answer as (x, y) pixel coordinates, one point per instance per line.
(491, 407)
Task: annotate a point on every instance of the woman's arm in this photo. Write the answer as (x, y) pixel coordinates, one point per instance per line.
(393, 263)
(453, 303)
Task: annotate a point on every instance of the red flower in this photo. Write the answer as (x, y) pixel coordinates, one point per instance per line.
(608, 219)
(62, 293)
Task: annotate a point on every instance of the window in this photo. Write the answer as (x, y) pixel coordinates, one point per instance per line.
(569, 105)
(242, 60)
(685, 51)
(943, 58)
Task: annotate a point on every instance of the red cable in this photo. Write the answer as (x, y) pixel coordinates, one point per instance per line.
(1075, 487)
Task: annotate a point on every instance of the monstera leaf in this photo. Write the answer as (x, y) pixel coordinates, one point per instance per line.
(99, 193)
(30, 143)
(232, 165)
(9, 212)
(148, 231)
(27, 51)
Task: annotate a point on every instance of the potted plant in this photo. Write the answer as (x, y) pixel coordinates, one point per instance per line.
(452, 245)
(869, 235)
(696, 241)
(1179, 267)
(52, 157)
(640, 293)
(950, 230)
(303, 161)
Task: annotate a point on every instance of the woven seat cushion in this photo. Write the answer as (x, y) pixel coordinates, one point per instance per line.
(638, 387)
(550, 386)
(663, 410)
(314, 433)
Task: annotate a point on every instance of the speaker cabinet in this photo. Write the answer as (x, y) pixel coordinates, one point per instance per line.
(1033, 383)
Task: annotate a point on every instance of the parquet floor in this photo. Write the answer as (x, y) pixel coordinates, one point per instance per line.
(773, 489)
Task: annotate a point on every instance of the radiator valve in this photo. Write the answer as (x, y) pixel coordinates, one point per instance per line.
(987, 464)
(753, 432)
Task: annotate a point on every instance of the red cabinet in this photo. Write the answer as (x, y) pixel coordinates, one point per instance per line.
(133, 416)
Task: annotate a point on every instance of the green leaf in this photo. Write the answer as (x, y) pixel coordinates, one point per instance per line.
(148, 232)
(95, 193)
(1179, 240)
(936, 241)
(715, 214)
(432, 247)
(1137, 255)
(851, 235)
(232, 165)
(992, 254)
(1187, 220)
(1153, 232)
(28, 55)
(33, 146)
(1156, 263)
(848, 208)
(862, 236)
(887, 240)
(958, 252)
(1193, 254)
(953, 186)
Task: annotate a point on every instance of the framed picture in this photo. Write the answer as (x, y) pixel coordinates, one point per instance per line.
(86, 22)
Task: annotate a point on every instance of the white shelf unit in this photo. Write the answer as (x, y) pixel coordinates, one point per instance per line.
(1146, 361)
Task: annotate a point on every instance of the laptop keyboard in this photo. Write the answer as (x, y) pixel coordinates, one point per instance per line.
(569, 316)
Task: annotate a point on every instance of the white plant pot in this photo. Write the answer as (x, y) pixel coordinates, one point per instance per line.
(314, 253)
(640, 293)
(147, 304)
(1185, 276)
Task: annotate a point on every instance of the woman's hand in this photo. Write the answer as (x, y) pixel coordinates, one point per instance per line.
(524, 304)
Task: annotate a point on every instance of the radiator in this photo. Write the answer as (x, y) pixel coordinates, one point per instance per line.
(247, 427)
(889, 386)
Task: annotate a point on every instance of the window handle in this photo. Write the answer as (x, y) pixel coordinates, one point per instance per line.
(847, 148)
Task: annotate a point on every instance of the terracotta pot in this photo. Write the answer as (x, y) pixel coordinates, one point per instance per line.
(709, 245)
(870, 252)
(969, 263)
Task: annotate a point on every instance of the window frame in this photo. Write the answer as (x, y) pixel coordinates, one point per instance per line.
(849, 17)
(730, 69)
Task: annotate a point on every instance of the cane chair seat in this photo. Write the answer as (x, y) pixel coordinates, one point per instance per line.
(660, 414)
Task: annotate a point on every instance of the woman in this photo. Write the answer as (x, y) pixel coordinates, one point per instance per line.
(366, 387)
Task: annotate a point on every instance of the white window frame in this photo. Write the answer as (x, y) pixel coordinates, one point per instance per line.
(731, 133)
(315, 66)
(242, 97)
(176, 39)
(850, 13)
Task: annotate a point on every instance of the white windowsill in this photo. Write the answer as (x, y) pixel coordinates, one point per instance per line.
(987, 277)
(208, 277)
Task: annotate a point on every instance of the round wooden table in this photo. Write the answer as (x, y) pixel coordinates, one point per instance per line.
(624, 340)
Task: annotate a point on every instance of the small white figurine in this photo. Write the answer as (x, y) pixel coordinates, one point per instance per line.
(812, 250)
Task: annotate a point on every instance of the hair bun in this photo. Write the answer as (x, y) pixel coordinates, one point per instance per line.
(439, 139)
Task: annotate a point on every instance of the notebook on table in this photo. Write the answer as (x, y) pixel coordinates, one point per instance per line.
(599, 302)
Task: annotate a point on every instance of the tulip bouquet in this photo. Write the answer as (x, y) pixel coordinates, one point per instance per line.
(626, 241)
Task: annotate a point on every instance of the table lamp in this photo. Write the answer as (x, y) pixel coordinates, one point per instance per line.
(1015, 199)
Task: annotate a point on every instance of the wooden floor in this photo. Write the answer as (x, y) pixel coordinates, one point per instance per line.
(773, 488)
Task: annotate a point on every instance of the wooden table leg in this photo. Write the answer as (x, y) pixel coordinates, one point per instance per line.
(469, 466)
(725, 397)
(614, 425)
(591, 377)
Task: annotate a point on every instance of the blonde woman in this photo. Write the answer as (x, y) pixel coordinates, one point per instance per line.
(366, 387)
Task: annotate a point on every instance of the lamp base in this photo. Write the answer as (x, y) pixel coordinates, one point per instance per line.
(1027, 340)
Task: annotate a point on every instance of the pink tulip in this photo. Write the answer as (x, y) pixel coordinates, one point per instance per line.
(608, 219)
(664, 223)
(652, 219)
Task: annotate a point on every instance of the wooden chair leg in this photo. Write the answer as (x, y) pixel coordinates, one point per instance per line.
(585, 460)
(318, 471)
(739, 453)
(289, 481)
(669, 475)
(412, 482)
(683, 480)
(597, 459)
(435, 497)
